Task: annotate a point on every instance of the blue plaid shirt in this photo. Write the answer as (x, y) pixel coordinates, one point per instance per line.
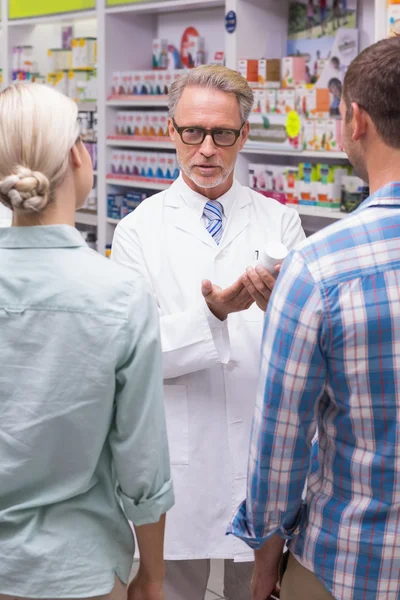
(331, 364)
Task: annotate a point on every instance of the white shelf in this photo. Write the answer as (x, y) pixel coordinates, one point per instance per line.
(138, 101)
(113, 221)
(144, 183)
(317, 211)
(255, 148)
(86, 218)
(87, 106)
(133, 143)
(166, 6)
(72, 16)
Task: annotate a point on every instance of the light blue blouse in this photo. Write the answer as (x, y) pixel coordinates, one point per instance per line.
(83, 445)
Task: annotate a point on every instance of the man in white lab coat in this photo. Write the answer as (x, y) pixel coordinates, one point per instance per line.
(194, 243)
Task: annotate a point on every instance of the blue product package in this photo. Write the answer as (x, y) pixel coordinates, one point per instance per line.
(114, 204)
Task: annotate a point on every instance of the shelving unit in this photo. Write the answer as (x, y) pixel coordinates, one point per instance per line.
(132, 142)
(86, 218)
(125, 35)
(139, 182)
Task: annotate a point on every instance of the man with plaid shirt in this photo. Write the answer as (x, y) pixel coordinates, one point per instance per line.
(331, 365)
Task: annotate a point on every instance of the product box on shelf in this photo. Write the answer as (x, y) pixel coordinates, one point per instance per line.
(353, 193)
(292, 185)
(116, 85)
(285, 101)
(329, 187)
(153, 164)
(269, 72)
(308, 134)
(131, 201)
(59, 59)
(149, 84)
(293, 71)
(271, 101)
(114, 205)
(272, 130)
(160, 53)
(269, 180)
(327, 135)
(393, 26)
(84, 53)
(312, 102)
(248, 68)
(260, 101)
(307, 184)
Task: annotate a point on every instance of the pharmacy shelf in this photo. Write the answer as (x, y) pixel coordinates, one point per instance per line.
(113, 221)
(86, 218)
(137, 101)
(254, 148)
(56, 18)
(316, 211)
(139, 182)
(165, 6)
(136, 142)
(87, 107)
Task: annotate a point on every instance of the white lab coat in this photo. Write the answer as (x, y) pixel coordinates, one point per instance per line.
(210, 367)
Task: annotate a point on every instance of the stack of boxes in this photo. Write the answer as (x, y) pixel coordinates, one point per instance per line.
(320, 185)
(142, 124)
(150, 165)
(119, 205)
(73, 72)
(279, 89)
(143, 83)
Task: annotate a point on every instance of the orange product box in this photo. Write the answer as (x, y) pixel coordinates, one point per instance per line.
(248, 68)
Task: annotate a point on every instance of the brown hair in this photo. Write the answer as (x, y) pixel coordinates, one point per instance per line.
(373, 82)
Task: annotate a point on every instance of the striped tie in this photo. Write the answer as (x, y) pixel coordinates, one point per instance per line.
(213, 212)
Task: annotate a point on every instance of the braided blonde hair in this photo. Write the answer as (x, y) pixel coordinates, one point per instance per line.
(38, 128)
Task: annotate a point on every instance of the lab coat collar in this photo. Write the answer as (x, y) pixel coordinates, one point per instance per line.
(235, 202)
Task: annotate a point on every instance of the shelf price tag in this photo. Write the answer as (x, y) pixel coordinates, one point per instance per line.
(293, 124)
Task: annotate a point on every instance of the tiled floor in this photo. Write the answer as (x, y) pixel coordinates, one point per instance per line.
(215, 584)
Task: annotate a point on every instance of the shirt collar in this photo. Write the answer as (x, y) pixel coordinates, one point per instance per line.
(388, 195)
(41, 236)
(196, 201)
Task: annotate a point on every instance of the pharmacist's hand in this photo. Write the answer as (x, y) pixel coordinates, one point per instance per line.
(259, 283)
(223, 302)
(140, 589)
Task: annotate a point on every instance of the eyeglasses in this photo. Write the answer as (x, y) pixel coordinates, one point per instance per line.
(194, 136)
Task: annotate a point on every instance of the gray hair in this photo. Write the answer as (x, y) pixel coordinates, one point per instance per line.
(215, 77)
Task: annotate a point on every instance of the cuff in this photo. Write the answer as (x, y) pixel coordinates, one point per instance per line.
(287, 526)
(220, 334)
(149, 510)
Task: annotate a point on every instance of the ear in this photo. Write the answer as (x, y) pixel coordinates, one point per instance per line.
(171, 130)
(244, 135)
(76, 157)
(359, 122)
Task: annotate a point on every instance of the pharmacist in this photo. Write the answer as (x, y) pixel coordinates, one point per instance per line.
(194, 244)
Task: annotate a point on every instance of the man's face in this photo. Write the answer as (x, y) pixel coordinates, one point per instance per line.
(353, 149)
(206, 164)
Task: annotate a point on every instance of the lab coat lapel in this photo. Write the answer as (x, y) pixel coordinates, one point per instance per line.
(239, 218)
(183, 218)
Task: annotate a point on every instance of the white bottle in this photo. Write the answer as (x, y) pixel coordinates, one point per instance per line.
(274, 253)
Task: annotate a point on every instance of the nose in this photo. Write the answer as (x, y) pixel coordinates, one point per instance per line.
(208, 148)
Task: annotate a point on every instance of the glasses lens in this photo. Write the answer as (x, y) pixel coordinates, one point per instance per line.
(191, 135)
(225, 137)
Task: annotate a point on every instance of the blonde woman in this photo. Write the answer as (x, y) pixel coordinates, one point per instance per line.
(83, 444)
